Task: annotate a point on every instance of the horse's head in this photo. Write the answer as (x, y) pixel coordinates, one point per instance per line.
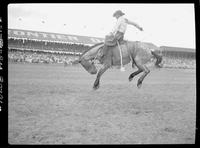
(88, 65)
(86, 57)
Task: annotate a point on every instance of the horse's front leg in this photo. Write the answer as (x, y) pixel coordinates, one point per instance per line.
(100, 72)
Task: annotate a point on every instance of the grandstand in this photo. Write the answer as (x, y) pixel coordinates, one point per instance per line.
(45, 47)
(176, 57)
(178, 52)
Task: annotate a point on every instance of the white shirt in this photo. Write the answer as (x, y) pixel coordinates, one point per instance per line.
(120, 26)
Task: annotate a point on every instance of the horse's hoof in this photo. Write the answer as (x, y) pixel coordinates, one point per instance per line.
(139, 84)
(95, 87)
(130, 79)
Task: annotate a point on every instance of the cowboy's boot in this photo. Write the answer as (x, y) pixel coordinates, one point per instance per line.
(158, 57)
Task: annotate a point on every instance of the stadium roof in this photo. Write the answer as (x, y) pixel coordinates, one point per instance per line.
(177, 49)
(52, 37)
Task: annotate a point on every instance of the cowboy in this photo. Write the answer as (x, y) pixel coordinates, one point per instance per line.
(118, 31)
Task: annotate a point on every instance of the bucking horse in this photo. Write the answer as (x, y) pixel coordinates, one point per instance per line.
(139, 53)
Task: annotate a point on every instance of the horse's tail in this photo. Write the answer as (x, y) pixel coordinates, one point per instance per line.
(158, 58)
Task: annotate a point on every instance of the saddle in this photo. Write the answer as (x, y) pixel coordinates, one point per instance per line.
(111, 41)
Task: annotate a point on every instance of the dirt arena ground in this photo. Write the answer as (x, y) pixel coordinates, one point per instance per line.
(53, 104)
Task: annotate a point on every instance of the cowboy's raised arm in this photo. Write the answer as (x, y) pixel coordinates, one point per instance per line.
(134, 24)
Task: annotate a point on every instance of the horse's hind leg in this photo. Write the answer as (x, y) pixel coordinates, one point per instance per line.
(146, 71)
(134, 74)
(141, 68)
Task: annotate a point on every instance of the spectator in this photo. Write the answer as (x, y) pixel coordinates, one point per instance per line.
(40, 53)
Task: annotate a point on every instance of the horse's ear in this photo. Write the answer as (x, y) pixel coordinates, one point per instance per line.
(79, 60)
(76, 61)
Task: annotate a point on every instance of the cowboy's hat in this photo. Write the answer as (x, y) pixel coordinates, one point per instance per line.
(118, 12)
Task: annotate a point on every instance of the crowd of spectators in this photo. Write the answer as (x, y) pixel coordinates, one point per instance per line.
(45, 57)
(45, 45)
(170, 62)
(41, 55)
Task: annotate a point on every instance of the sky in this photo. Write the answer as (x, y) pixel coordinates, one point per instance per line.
(163, 24)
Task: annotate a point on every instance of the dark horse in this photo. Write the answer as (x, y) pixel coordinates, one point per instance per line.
(139, 53)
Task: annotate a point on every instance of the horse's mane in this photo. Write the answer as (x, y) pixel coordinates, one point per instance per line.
(91, 48)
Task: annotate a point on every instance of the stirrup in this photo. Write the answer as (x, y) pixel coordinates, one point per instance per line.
(122, 69)
(120, 51)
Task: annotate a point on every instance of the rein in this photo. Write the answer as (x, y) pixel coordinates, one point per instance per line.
(90, 49)
(95, 56)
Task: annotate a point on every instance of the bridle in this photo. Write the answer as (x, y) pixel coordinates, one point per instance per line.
(96, 55)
